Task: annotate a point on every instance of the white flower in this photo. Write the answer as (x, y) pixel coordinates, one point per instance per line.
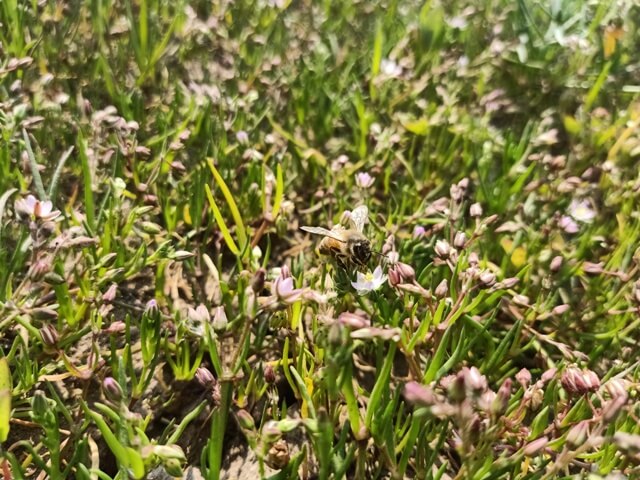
(32, 207)
(390, 68)
(366, 282)
(568, 225)
(364, 180)
(582, 210)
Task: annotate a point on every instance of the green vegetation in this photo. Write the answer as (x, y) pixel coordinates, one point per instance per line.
(160, 308)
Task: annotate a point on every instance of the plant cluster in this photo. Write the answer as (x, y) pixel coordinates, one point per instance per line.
(162, 312)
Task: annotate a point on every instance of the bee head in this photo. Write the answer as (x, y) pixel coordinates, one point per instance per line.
(360, 251)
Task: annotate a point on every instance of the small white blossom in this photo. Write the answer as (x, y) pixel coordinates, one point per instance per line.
(365, 283)
(364, 180)
(582, 211)
(390, 68)
(568, 224)
(32, 207)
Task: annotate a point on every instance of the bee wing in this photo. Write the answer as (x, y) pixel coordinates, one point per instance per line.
(324, 232)
(359, 217)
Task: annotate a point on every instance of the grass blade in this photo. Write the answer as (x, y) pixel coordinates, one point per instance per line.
(235, 212)
(33, 165)
(221, 224)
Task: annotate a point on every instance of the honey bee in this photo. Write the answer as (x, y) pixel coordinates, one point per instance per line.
(346, 245)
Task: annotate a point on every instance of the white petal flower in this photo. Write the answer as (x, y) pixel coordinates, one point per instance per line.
(390, 68)
(582, 211)
(32, 207)
(364, 180)
(366, 282)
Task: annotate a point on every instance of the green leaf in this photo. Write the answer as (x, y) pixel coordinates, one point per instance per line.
(277, 201)
(126, 456)
(220, 221)
(376, 58)
(53, 187)
(235, 212)
(597, 86)
(438, 357)
(571, 125)
(304, 393)
(5, 398)
(353, 412)
(33, 165)
(136, 465)
(89, 204)
(382, 383)
(539, 423)
(3, 203)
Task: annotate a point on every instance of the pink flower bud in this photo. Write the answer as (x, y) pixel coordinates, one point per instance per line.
(475, 210)
(205, 378)
(474, 381)
(394, 276)
(524, 378)
(420, 394)
(521, 300)
(579, 382)
(616, 387)
(269, 374)
(560, 309)
(501, 402)
(220, 321)
(628, 442)
(407, 273)
(443, 249)
(257, 281)
(50, 335)
(549, 374)
(531, 449)
(578, 433)
(510, 282)
(111, 389)
(487, 278)
(595, 268)
(245, 420)
(556, 263)
(110, 295)
(459, 240)
(200, 314)
(442, 289)
(353, 320)
(611, 409)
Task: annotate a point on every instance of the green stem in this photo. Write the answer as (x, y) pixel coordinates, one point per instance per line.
(218, 428)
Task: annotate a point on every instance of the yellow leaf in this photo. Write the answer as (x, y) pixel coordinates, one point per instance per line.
(304, 409)
(519, 257)
(557, 242)
(611, 36)
(186, 215)
(571, 125)
(506, 244)
(419, 127)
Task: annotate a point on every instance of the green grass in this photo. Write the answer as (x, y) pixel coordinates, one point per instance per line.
(184, 144)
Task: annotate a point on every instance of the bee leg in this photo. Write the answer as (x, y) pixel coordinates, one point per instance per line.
(342, 261)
